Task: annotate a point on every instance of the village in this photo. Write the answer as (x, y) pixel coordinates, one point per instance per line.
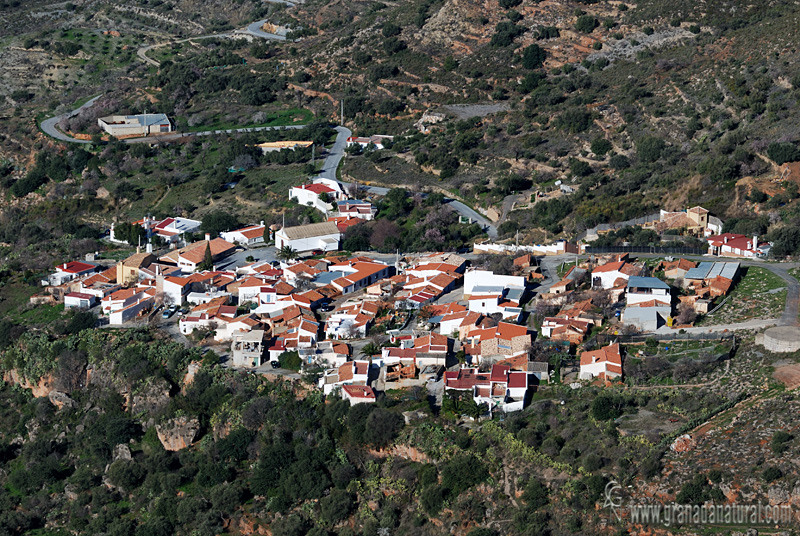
(366, 323)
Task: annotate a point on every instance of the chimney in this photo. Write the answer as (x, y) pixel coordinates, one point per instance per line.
(725, 240)
(149, 247)
(262, 223)
(755, 242)
(208, 237)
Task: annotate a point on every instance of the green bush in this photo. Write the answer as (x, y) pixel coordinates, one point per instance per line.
(290, 360)
(533, 56)
(586, 24)
(783, 152)
(771, 474)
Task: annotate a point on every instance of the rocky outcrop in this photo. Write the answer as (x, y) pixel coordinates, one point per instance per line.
(39, 390)
(151, 397)
(178, 433)
(188, 378)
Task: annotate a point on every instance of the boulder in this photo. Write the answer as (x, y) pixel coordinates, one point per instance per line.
(178, 433)
(683, 443)
(122, 452)
(61, 400)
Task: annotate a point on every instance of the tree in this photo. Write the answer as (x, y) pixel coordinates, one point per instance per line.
(287, 253)
(208, 260)
(290, 360)
(131, 233)
(533, 56)
(382, 427)
(370, 349)
(218, 221)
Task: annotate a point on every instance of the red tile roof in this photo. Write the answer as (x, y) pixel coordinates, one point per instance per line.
(359, 391)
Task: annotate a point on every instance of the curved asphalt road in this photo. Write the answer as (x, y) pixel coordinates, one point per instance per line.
(49, 125)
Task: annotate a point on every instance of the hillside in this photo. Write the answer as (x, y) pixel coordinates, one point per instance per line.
(548, 117)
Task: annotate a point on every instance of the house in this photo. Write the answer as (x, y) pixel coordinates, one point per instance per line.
(173, 230)
(736, 245)
(316, 236)
(484, 278)
(349, 373)
(246, 236)
(676, 269)
(358, 394)
(648, 318)
(69, 271)
(569, 330)
(359, 273)
(354, 208)
(311, 195)
(605, 363)
(126, 304)
(505, 339)
(376, 140)
(247, 348)
(78, 300)
(560, 287)
(606, 276)
(127, 126)
(188, 258)
(129, 270)
(695, 221)
(645, 289)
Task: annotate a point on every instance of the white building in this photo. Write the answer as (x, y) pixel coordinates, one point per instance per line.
(322, 236)
(246, 236)
(309, 195)
(358, 394)
(484, 278)
(604, 363)
(78, 300)
(648, 289)
(377, 140)
(126, 126)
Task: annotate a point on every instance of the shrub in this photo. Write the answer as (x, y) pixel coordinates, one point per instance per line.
(290, 360)
(533, 56)
(779, 441)
(783, 152)
(461, 473)
(771, 474)
(649, 148)
(586, 24)
(601, 146)
(336, 507)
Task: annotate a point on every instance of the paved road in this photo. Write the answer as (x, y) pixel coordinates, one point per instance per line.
(49, 125)
(335, 155)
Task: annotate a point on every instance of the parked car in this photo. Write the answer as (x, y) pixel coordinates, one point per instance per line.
(327, 308)
(167, 313)
(275, 364)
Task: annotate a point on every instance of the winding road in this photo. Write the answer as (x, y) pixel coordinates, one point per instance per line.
(49, 125)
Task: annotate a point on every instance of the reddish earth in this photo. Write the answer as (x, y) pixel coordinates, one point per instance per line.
(789, 375)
